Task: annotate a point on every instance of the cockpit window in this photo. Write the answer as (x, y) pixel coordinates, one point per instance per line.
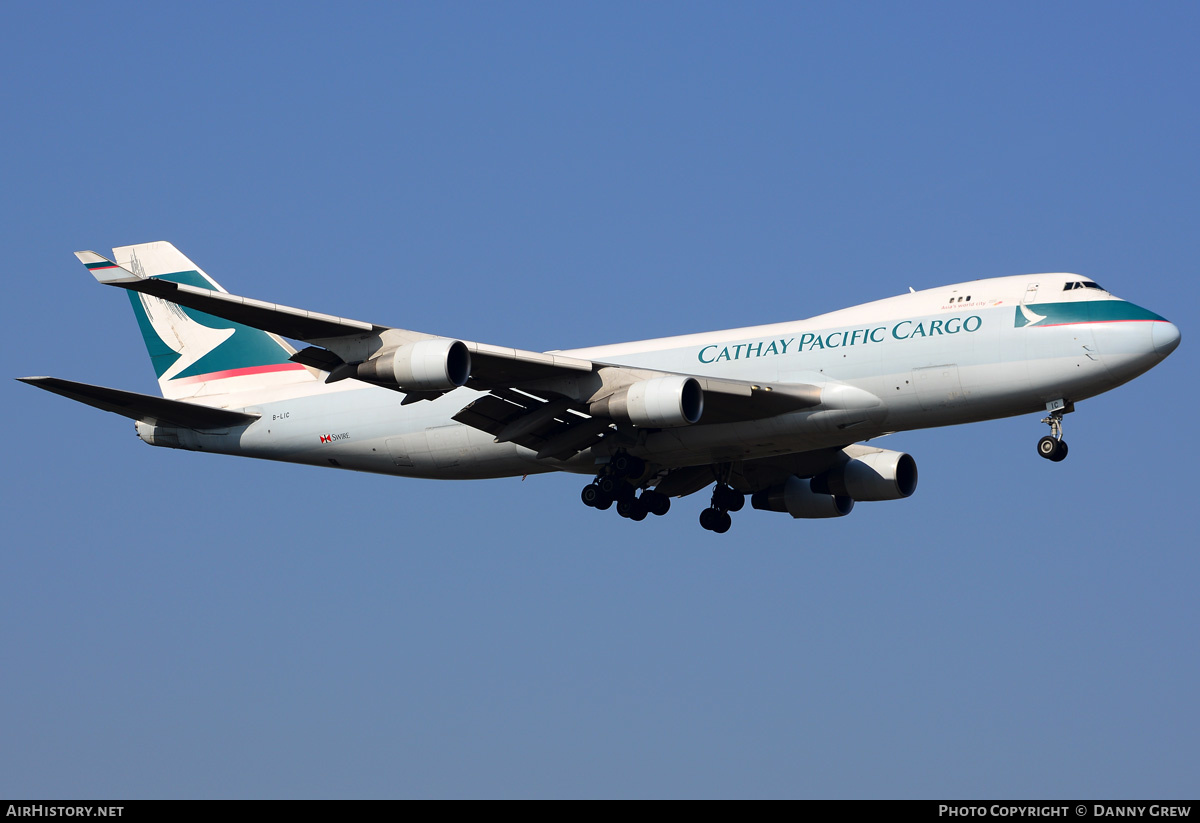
(1082, 284)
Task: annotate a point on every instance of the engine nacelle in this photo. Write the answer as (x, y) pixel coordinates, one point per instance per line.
(661, 402)
(797, 497)
(881, 475)
(439, 364)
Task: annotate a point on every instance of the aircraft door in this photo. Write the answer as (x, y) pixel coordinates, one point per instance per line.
(1031, 293)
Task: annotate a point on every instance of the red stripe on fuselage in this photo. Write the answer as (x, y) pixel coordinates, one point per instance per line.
(221, 375)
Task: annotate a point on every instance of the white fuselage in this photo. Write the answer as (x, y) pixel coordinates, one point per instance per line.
(973, 351)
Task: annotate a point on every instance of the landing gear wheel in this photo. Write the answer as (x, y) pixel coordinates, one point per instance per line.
(631, 508)
(715, 520)
(603, 502)
(1047, 447)
(1052, 449)
(590, 494)
(656, 503)
(608, 485)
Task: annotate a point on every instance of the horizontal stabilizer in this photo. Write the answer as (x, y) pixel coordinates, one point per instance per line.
(144, 407)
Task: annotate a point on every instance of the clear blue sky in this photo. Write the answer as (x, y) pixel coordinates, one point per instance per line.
(557, 175)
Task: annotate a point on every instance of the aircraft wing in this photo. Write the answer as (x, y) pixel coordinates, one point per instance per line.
(492, 365)
(548, 400)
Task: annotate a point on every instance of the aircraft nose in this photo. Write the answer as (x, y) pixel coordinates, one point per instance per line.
(1165, 337)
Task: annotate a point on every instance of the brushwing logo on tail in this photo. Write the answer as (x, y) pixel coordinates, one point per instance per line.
(187, 343)
(187, 338)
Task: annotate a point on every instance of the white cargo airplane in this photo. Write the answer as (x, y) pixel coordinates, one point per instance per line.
(771, 411)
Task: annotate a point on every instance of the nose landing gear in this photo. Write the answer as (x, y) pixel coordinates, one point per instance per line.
(1053, 447)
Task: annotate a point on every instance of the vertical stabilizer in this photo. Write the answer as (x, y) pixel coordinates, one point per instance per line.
(197, 355)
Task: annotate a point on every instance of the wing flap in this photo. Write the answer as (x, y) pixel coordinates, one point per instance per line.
(143, 407)
(547, 427)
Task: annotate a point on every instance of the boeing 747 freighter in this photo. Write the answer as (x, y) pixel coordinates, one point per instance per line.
(782, 414)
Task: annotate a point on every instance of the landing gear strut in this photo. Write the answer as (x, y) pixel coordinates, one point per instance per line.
(1053, 447)
(725, 499)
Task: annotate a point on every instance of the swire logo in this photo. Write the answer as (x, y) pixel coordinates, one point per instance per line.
(329, 438)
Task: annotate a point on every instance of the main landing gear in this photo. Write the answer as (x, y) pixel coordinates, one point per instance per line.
(725, 499)
(619, 484)
(1053, 447)
(616, 484)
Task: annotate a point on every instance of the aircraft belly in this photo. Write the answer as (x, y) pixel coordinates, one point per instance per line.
(368, 430)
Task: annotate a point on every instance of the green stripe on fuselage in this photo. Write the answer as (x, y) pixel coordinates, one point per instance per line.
(1082, 311)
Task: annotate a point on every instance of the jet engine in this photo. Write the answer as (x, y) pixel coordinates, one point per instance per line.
(797, 497)
(439, 364)
(661, 402)
(877, 475)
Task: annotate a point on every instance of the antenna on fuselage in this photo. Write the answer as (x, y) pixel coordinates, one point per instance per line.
(911, 290)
